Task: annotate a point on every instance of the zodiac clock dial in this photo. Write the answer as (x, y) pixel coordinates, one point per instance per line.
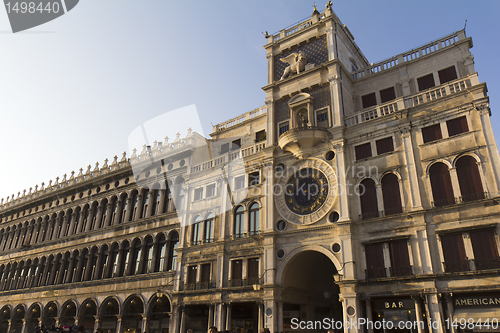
(308, 191)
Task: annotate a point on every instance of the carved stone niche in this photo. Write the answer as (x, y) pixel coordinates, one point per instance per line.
(303, 139)
(301, 110)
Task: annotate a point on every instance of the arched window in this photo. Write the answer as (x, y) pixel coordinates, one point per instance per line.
(442, 190)
(147, 267)
(161, 253)
(391, 194)
(155, 200)
(114, 207)
(67, 222)
(253, 227)
(239, 220)
(368, 199)
(92, 264)
(469, 179)
(124, 259)
(104, 214)
(145, 202)
(83, 225)
(195, 230)
(101, 269)
(93, 216)
(112, 267)
(123, 213)
(77, 220)
(65, 263)
(133, 205)
(208, 231)
(135, 257)
(172, 251)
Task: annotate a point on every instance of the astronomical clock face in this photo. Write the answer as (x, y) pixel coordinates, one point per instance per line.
(307, 191)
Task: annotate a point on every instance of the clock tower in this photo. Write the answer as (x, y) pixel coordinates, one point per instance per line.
(308, 94)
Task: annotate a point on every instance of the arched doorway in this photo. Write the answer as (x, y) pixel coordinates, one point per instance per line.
(159, 314)
(309, 291)
(33, 317)
(4, 318)
(68, 314)
(109, 314)
(19, 314)
(133, 310)
(88, 311)
(49, 317)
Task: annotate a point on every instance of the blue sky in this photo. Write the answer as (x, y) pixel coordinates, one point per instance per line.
(72, 90)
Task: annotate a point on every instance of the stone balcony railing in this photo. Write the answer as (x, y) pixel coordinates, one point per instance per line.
(411, 55)
(238, 120)
(405, 102)
(228, 157)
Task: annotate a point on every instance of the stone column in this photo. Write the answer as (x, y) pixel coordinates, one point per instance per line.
(80, 221)
(142, 259)
(380, 199)
(409, 158)
(335, 90)
(434, 313)
(29, 234)
(57, 226)
(50, 228)
(130, 210)
(140, 206)
(228, 316)
(454, 183)
(485, 113)
(260, 320)
(210, 316)
(98, 219)
(163, 196)
(23, 328)
(71, 267)
(97, 323)
(144, 325)
(72, 224)
(279, 316)
(109, 214)
(369, 314)
(90, 217)
(118, 324)
(151, 204)
(5, 235)
(119, 212)
(22, 236)
(223, 313)
(271, 120)
(342, 181)
(15, 238)
(183, 321)
(450, 311)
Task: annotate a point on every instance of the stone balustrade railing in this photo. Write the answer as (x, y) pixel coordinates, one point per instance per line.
(158, 148)
(238, 120)
(413, 100)
(228, 157)
(410, 55)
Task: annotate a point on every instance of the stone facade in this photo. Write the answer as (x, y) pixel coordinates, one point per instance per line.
(359, 191)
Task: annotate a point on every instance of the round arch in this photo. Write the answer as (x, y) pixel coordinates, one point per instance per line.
(18, 315)
(294, 253)
(87, 312)
(441, 160)
(33, 316)
(68, 313)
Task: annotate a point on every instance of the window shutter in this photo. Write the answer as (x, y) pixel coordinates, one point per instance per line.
(384, 145)
(469, 179)
(485, 249)
(391, 194)
(457, 126)
(374, 260)
(432, 133)
(363, 151)
(454, 253)
(442, 189)
(368, 198)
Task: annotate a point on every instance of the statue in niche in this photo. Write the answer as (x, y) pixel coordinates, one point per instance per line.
(302, 120)
(296, 63)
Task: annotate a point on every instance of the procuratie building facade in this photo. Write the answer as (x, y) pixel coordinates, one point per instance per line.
(359, 190)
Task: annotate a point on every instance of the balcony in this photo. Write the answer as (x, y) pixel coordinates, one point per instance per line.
(302, 141)
(414, 100)
(248, 282)
(375, 272)
(199, 286)
(401, 271)
(487, 263)
(456, 266)
(466, 198)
